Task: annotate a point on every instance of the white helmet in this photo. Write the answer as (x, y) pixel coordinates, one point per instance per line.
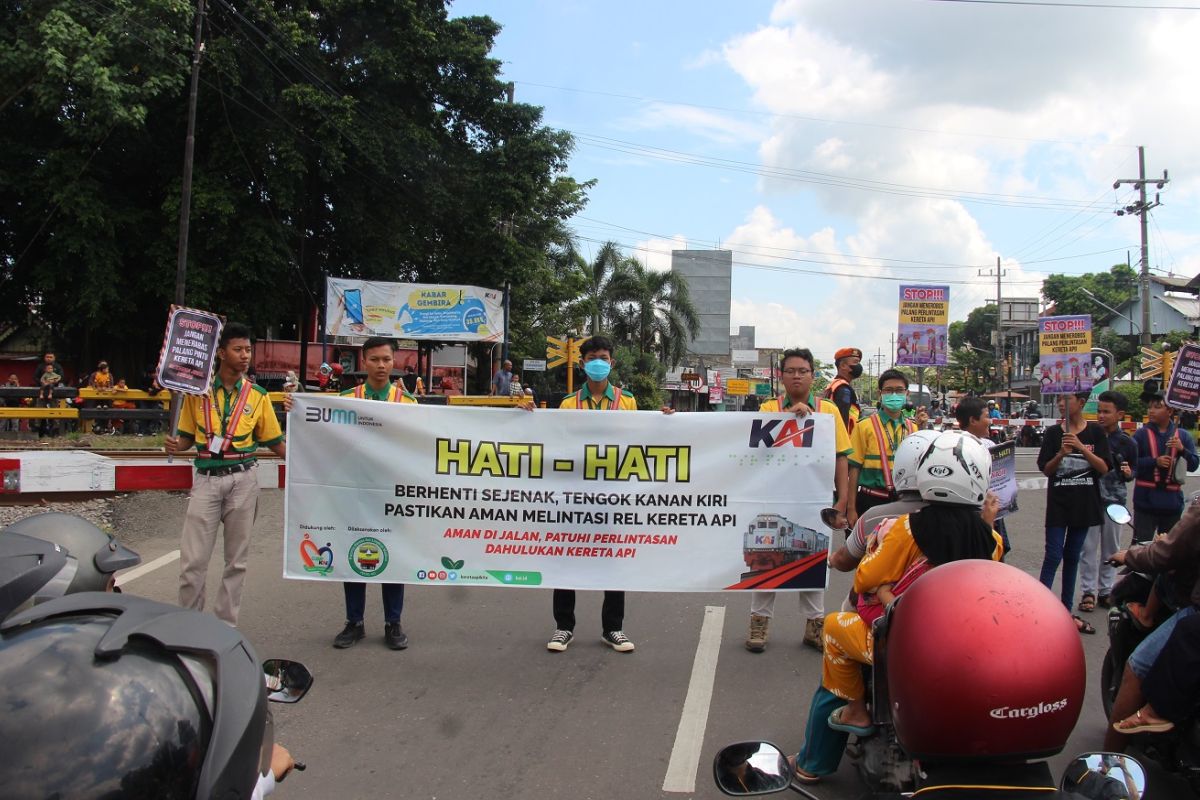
(911, 448)
(955, 468)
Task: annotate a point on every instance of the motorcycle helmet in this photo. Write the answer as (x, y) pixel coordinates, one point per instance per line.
(27, 566)
(983, 662)
(116, 696)
(955, 468)
(96, 554)
(904, 468)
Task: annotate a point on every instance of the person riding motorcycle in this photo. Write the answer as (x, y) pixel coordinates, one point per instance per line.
(119, 696)
(985, 676)
(93, 557)
(952, 476)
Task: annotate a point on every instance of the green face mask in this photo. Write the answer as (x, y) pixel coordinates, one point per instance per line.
(894, 402)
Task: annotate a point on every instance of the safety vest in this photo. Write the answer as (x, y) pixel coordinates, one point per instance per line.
(885, 463)
(395, 393)
(855, 411)
(1169, 474)
(615, 405)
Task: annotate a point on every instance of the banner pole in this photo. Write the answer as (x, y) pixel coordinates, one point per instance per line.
(570, 367)
(173, 423)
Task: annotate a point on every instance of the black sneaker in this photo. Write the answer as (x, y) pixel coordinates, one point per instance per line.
(349, 636)
(395, 636)
(618, 641)
(560, 641)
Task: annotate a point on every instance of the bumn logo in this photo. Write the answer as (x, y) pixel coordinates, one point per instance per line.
(337, 416)
(763, 433)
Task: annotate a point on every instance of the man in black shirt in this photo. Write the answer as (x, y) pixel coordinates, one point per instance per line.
(1074, 456)
(1104, 540)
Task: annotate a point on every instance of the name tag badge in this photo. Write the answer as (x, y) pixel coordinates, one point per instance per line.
(216, 444)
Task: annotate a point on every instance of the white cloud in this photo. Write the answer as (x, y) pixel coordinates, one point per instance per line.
(655, 253)
(706, 58)
(715, 127)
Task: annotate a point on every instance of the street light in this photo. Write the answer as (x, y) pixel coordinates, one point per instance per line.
(1101, 303)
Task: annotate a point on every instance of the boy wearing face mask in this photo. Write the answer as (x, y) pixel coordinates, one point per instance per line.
(597, 394)
(840, 391)
(875, 442)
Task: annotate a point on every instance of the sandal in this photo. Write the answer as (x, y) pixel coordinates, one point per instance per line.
(835, 722)
(801, 775)
(1082, 624)
(1087, 602)
(1134, 724)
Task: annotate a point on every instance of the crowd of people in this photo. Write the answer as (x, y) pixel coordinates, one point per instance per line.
(910, 498)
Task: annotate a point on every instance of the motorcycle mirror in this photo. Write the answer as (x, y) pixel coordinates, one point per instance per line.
(1104, 775)
(746, 769)
(1118, 514)
(287, 681)
(829, 517)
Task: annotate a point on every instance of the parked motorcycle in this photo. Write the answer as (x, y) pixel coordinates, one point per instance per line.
(760, 768)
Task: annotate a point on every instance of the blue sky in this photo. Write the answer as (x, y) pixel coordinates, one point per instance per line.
(839, 147)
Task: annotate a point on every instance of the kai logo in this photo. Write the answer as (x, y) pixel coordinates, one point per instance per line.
(337, 416)
(316, 559)
(368, 556)
(763, 433)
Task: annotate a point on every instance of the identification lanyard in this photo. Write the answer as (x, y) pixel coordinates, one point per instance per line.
(231, 418)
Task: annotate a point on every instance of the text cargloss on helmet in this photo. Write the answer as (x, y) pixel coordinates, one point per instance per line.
(109, 695)
(904, 466)
(955, 468)
(983, 663)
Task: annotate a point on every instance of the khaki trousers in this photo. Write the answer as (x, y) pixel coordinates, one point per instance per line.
(229, 499)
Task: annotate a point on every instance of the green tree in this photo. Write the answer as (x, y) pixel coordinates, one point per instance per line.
(654, 311)
(642, 374)
(596, 303)
(1117, 286)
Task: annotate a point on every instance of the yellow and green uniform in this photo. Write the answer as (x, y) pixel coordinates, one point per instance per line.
(391, 393)
(869, 451)
(841, 438)
(255, 424)
(583, 400)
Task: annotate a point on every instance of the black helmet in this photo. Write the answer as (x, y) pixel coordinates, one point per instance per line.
(115, 696)
(27, 566)
(97, 555)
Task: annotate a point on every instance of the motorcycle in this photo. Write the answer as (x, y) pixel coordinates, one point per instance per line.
(1177, 750)
(760, 768)
(287, 682)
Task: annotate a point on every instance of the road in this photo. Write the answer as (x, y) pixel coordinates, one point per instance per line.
(478, 707)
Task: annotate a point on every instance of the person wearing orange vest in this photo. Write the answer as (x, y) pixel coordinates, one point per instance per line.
(875, 441)
(597, 394)
(379, 357)
(1157, 496)
(840, 391)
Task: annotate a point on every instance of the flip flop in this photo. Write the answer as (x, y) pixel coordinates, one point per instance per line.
(1141, 727)
(835, 723)
(1082, 624)
(804, 777)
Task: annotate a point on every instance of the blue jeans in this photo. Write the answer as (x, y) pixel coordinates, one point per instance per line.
(1063, 546)
(356, 601)
(1145, 654)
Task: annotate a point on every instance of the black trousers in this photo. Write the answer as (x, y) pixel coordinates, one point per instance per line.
(612, 613)
(1148, 523)
(864, 501)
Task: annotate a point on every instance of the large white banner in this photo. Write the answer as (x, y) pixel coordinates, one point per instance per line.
(414, 311)
(570, 499)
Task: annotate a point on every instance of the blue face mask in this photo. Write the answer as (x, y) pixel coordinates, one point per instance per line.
(597, 369)
(894, 402)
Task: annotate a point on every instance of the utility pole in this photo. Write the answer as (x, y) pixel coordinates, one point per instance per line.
(999, 344)
(1142, 209)
(892, 340)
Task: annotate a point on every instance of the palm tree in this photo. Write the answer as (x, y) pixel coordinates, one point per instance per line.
(598, 298)
(653, 311)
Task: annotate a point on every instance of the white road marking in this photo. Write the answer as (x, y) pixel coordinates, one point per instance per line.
(139, 571)
(689, 738)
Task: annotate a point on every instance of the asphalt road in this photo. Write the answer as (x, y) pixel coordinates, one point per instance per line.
(477, 707)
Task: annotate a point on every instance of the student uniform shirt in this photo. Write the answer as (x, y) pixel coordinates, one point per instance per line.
(583, 400)
(841, 438)
(867, 456)
(257, 426)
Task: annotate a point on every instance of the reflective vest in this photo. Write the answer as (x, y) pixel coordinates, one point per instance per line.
(855, 411)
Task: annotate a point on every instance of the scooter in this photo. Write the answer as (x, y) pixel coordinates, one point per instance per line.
(287, 682)
(1177, 750)
(760, 768)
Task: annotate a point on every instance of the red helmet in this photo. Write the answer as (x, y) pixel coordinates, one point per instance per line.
(983, 662)
(338, 369)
